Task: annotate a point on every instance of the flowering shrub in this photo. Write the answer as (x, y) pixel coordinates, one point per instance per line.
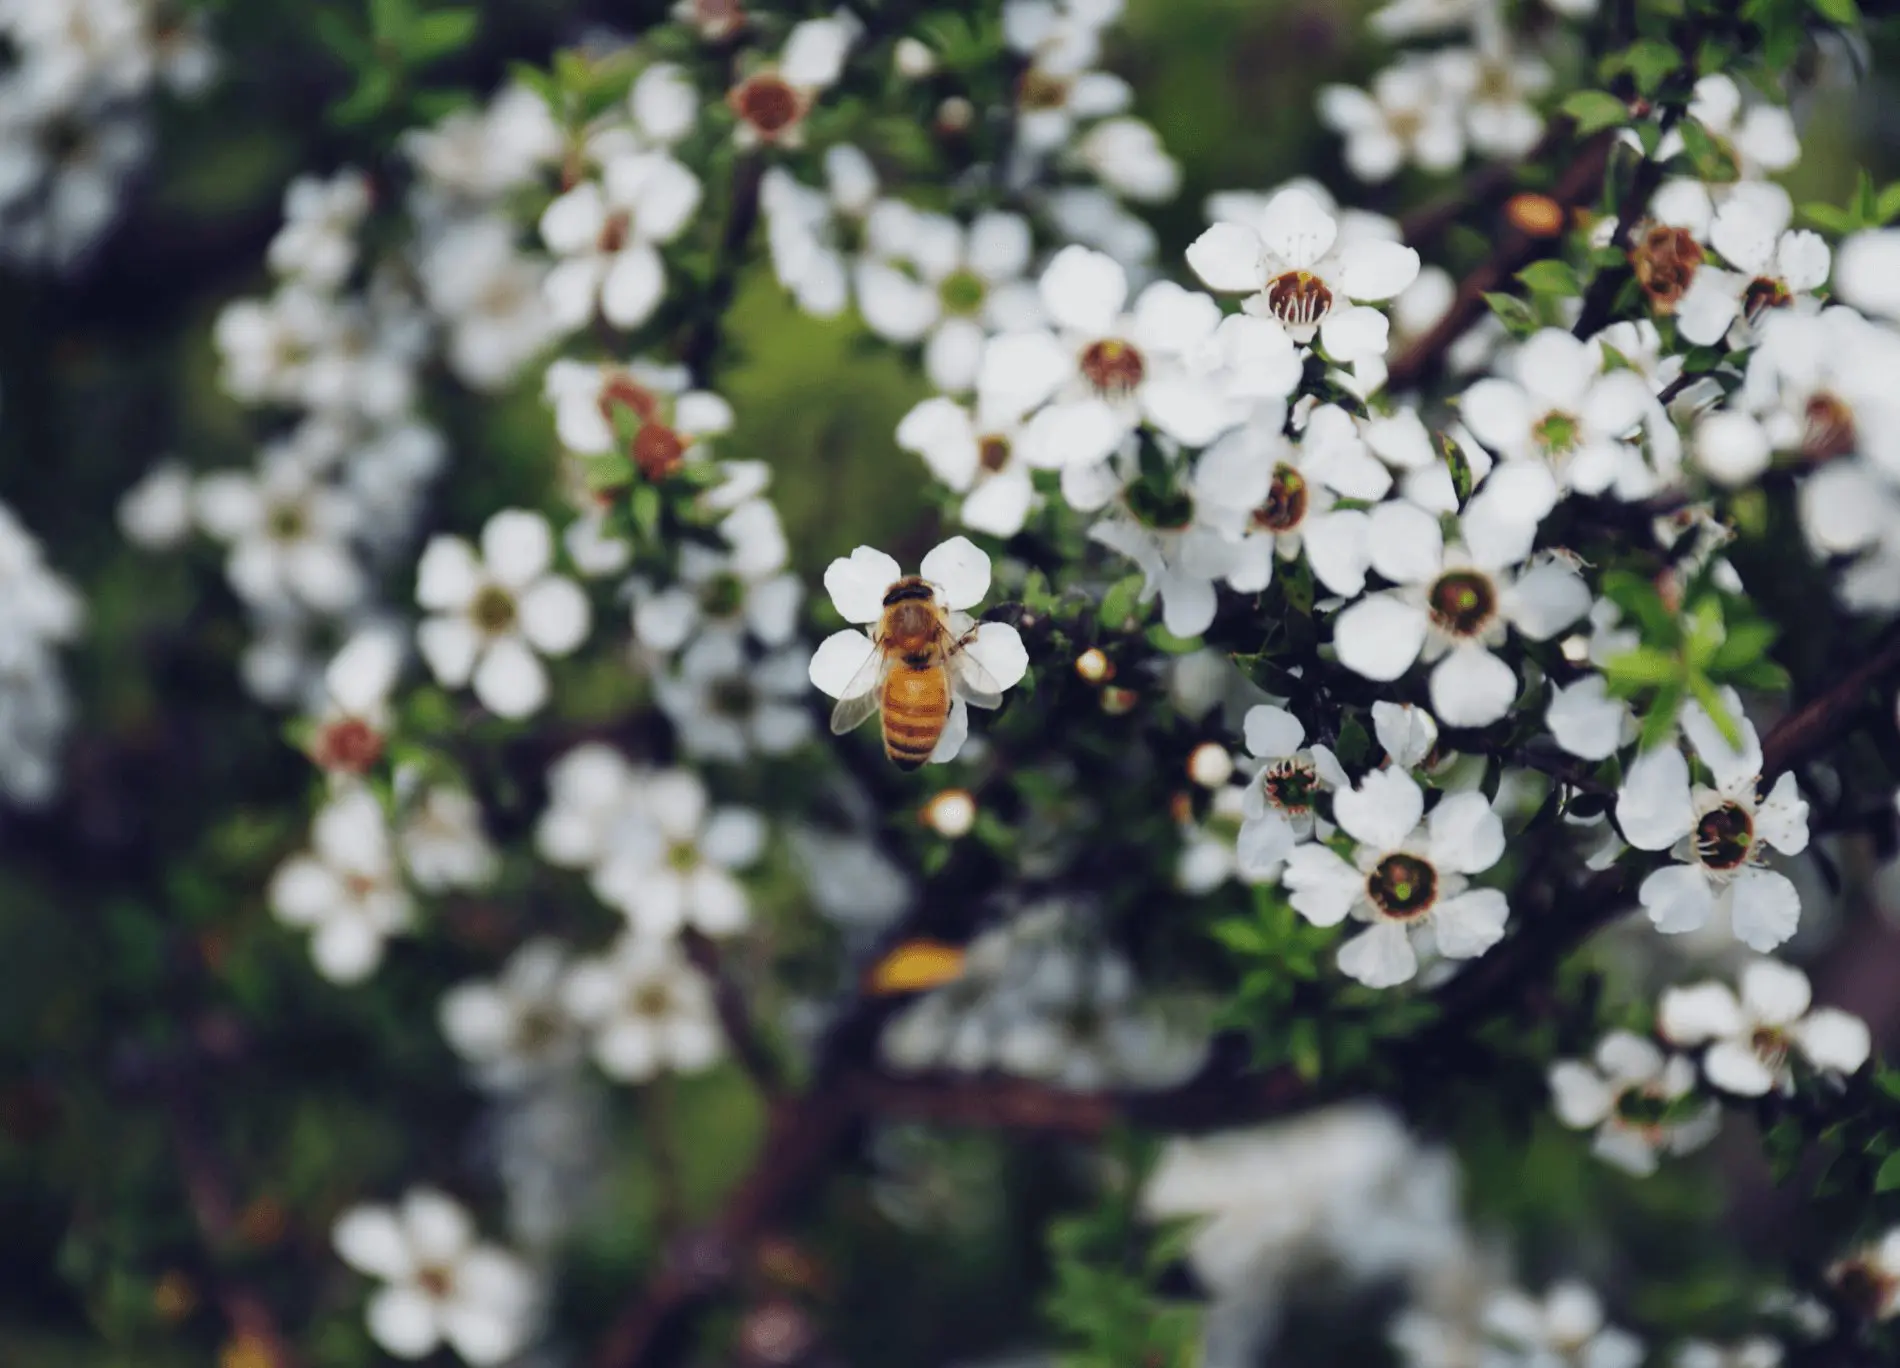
(1375, 836)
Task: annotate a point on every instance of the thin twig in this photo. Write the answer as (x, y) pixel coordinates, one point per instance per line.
(742, 1033)
(1601, 297)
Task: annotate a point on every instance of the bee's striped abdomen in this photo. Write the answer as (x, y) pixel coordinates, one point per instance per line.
(916, 706)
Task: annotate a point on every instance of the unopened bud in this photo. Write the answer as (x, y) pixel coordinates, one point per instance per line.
(348, 745)
(1540, 216)
(1116, 700)
(776, 1333)
(1210, 765)
(1181, 807)
(1665, 261)
(914, 60)
(951, 813)
(1094, 667)
(955, 115)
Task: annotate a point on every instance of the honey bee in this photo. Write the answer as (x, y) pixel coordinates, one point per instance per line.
(920, 663)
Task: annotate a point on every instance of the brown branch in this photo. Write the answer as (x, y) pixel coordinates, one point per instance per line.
(1515, 250)
(701, 346)
(742, 1033)
(1424, 224)
(1805, 731)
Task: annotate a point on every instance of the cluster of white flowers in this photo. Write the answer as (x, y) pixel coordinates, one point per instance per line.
(1042, 996)
(73, 115)
(39, 613)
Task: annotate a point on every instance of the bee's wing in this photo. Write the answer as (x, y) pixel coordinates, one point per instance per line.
(864, 694)
(974, 682)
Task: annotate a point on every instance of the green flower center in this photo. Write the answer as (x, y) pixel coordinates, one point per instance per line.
(722, 595)
(732, 698)
(1557, 433)
(1162, 508)
(651, 1000)
(1402, 887)
(1463, 602)
(1642, 1109)
(493, 609)
(1724, 838)
(1289, 785)
(682, 857)
(287, 522)
(962, 292)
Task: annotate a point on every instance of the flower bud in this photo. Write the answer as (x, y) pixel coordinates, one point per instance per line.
(349, 745)
(914, 60)
(1210, 765)
(1116, 700)
(1094, 667)
(1539, 216)
(955, 115)
(951, 814)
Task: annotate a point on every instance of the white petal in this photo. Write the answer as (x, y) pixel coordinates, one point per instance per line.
(1022, 369)
(1782, 819)
(1297, 229)
(1775, 994)
(716, 904)
(438, 1227)
(1698, 1013)
(1064, 436)
(1406, 732)
(895, 306)
(1380, 957)
(999, 649)
(1263, 845)
(960, 569)
(1472, 688)
(1084, 290)
(572, 223)
(1406, 544)
(1624, 1054)
(633, 287)
(1000, 505)
(510, 680)
(1678, 899)
(1379, 637)
(857, 583)
(1187, 604)
(1498, 414)
(1171, 319)
(1321, 886)
(1466, 834)
(1272, 733)
(1358, 333)
(402, 1320)
(815, 50)
(371, 1241)
(1653, 807)
(1731, 447)
(1585, 720)
(1376, 270)
(1546, 599)
(956, 730)
(1833, 1039)
(839, 659)
(940, 431)
(1382, 811)
(1734, 1068)
(1339, 550)
(1471, 923)
(1227, 257)
(1578, 1094)
(517, 547)
(449, 646)
(448, 574)
(555, 615)
(1764, 908)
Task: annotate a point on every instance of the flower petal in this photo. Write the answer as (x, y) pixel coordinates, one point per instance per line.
(1296, 228)
(1466, 833)
(1379, 957)
(1472, 688)
(1379, 637)
(999, 649)
(555, 615)
(517, 547)
(960, 570)
(1084, 290)
(1678, 899)
(1374, 270)
(1833, 1039)
(1698, 1013)
(1764, 908)
(857, 583)
(1382, 811)
(1227, 257)
(1471, 923)
(1775, 994)
(510, 681)
(839, 660)
(1272, 733)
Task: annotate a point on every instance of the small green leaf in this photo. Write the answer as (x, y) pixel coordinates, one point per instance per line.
(439, 33)
(1888, 204)
(1659, 722)
(1888, 1178)
(1844, 12)
(1551, 277)
(1711, 700)
(1644, 667)
(1744, 646)
(1513, 312)
(1595, 110)
(1121, 604)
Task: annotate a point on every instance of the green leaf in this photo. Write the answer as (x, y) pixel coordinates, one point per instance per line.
(390, 20)
(1888, 204)
(374, 90)
(1659, 721)
(1712, 161)
(1165, 641)
(1551, 277)
(1121, 604)
(1513, 312)
(439, 33)
(341, 37)
(1644, 667)
(1596, 110)
(1888, 1177)
(1650, 61)
(1827, 216)
(1745, 644)
(1844, 12)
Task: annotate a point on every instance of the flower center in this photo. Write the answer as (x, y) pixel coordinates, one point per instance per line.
(615, 232)
(349, 745)
(287, 522)
(962, 292)
(538, 1030)
(1463, 602)
(1168, 509)
(1285, 507)
(651, 1000)
(1112, 366)
(722, 595)
(1557, 433)
(1290, 785)
(1723, 838)
(1402, 887)
(620, 391)
(1770, 1047)
(658, 450)
(493, 609)
(1038, 89)
(767, 102)
(436, 1282)
(1763, 294)
(1299, 298)
(1830, 429)
(358, 886)
(1665, 262)
(1864, 1287)
(682, 857)
(1641, 1108)
(992, 453)
(732, 698)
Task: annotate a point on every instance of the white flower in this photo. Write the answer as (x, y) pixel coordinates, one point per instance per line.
(773, 101)
(978, 456)
(1408, 115)
(489, 293)
(725, 706)
(38, 611)
(516, 1029)
(1867, 274)
(1564, 410)
(1773, 267)
(594, 796)
(1761, 138)
(443, 1287)
(443, 844)
(1752, 1039)
(1209, 848)
(1181, 552)
(345, 889)
(608, 233)
(1127, 155)
(672, 419)
(1565, 1328)
(715, 597)
(677, 867)
(155, 513)
(958, 574)
(317, 243)
(1280, 801)
(1587, 722)
(288, 532)
(1453, 605)
(1497, 91)
(930, 279)
(648, 1010)
(1870, 1279)
(805, 227)
(494, 612)
(1631, 1094)
(1720, 834)
(1103, 371)
(1407, 877)
(1757, 1351)
(1295, 268)
(1732, 448)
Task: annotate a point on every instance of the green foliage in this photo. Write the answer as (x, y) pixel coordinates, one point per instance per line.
(386, 50)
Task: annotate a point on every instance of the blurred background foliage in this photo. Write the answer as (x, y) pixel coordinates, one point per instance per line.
(148, 1004)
